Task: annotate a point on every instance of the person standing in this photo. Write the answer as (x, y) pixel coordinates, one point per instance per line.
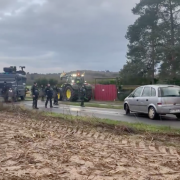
(42, 92)
(82, 95)
(49, 95)
(35, 95)
(55, 95)
(5, 91)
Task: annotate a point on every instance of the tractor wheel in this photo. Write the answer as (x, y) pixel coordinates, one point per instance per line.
(60, 96)
(88, 95)
(69, 93)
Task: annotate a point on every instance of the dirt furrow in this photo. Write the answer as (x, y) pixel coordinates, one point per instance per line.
(31, 149)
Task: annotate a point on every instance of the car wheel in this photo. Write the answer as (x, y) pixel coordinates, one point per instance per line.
(152, 113)
(127, 110)
(178, 116)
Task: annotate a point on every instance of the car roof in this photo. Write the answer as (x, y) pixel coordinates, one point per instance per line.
(160, 85)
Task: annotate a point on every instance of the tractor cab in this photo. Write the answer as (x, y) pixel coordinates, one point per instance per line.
(76, 78)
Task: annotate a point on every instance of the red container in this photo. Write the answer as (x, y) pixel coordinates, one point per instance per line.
(105, 92)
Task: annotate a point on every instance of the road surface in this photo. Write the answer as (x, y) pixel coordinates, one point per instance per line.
(103, 113)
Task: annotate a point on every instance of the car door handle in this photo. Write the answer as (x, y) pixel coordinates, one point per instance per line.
(146, 99)
(137, 100)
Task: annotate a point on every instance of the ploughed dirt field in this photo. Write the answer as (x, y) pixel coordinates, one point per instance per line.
(44, 150)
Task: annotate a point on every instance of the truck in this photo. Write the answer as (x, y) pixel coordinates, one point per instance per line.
(70, 89)
(15, 81)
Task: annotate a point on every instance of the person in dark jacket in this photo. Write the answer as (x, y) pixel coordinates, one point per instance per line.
(35, 95)
(82, 95)
(42, 92)
(5, 91)
(49, 95)
(55, 95)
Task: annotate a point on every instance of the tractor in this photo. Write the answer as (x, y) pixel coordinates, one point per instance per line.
(70, 90)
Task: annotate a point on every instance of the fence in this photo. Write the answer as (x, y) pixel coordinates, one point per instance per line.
(105, 92)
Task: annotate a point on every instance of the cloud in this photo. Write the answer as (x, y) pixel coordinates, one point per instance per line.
(68, 35)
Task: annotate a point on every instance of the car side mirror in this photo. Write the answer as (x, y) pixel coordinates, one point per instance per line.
(133, 95)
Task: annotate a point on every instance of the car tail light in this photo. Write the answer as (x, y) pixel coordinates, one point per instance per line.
(159, 104)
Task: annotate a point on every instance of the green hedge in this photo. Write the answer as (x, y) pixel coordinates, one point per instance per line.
(123, 93)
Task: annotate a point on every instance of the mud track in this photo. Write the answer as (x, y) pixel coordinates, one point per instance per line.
(31, 149)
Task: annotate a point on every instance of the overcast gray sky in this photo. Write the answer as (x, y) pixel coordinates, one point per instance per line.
(57, 35)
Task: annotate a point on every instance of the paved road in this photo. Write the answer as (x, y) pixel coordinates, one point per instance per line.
(113, 114)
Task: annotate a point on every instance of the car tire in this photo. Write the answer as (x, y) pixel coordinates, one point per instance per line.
(152, 114)
(127, 110)
(178, 116)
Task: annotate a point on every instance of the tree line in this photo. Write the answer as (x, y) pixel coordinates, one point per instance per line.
(154, 44)
(45, 81)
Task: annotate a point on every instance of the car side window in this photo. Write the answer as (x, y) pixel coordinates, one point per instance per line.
(153, 92)
(146, 92)
(137, 93)
(131, 95)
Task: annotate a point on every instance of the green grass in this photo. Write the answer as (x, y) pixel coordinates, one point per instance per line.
(116, 127)
(137, 126)
(89, 104)
(28, 99)
(134, 127)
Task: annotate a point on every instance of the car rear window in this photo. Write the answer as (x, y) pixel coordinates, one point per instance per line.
(170, 92)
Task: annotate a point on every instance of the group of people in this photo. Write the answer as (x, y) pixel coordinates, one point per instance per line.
(51, 93)
(47, 92)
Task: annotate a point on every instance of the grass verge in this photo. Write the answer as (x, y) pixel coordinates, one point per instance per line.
(125, 126)
(89, 104)
(161, 134)
(94, 121)
(28, 99)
